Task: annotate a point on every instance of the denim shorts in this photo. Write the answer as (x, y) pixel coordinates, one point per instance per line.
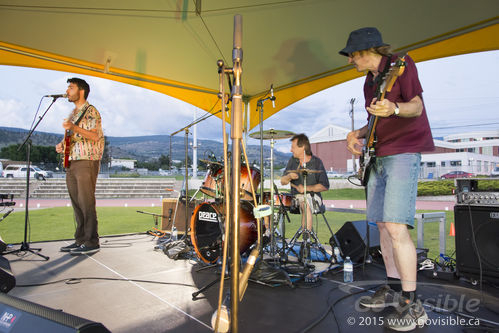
(393, 188)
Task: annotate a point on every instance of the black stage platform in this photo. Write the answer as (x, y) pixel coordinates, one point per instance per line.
(130, 287)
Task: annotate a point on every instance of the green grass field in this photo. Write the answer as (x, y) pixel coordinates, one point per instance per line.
(58, 223)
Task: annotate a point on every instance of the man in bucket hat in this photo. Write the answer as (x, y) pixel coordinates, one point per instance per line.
(402, 133)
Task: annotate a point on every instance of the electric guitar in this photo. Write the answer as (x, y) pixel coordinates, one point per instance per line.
(67, 142)
(67, 148)
(367, 158)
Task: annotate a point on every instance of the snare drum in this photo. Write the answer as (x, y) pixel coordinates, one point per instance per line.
(207, 228)
(287, 199)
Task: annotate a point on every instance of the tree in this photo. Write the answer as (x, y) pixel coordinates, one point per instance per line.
(164, 162)
(39, 154)
(106, 155)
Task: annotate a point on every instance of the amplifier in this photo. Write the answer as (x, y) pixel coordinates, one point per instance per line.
(479, 198)
(477, 192)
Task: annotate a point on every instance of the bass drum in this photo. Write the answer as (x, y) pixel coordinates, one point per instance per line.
(207, 228)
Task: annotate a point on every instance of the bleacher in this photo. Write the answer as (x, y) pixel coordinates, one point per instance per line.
(55, 188)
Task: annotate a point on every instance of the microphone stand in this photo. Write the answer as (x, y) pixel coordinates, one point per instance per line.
(259, 104)
(27, 141)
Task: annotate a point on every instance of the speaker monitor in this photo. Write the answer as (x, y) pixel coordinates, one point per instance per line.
(20, 316)
(352, 238)
(477, 234)
(171, 211)
(7, 279)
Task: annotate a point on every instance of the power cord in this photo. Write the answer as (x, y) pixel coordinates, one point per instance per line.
(79, 280)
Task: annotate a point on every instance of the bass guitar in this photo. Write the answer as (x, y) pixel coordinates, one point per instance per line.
(368, 155)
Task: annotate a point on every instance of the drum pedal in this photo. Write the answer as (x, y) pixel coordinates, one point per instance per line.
(262, 211)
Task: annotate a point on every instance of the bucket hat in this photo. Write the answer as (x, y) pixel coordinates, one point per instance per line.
(362, 39)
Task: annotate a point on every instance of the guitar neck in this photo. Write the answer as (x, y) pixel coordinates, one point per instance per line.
(396, 69)
(371, 125)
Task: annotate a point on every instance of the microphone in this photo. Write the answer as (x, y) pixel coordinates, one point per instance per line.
(272, 98)
(57, 96)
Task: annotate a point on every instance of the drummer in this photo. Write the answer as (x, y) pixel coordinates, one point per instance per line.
(317, 180)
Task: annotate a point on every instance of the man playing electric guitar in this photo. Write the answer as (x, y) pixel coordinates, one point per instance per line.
(83, 147)
(402, 133)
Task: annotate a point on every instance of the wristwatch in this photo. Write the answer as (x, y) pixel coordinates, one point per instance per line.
(397, 109)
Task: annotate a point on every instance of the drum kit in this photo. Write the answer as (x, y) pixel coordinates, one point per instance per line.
(208, 218)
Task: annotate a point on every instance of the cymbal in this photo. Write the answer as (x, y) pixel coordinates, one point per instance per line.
(272, 134)
(304, 170)
(210, 162)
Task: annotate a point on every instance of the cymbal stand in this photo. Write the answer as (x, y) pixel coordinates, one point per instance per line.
(272, 222)
(186, 144)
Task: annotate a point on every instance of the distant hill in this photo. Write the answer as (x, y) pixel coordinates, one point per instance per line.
(143, 148)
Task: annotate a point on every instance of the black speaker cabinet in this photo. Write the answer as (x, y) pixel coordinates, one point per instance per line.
(352, 238)
(7, 279)
(482, 223)
(20, 316)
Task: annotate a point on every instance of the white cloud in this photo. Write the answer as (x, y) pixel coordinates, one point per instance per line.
(457, 90)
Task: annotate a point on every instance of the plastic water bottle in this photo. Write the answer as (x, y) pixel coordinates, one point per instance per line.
(347, 270)
(174, 233)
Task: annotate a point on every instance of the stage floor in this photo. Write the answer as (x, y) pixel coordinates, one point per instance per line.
(130, 287)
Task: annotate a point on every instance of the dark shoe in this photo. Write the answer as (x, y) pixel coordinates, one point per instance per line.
(382, 298)
(407, 317)
(69, 247)
(83, 249)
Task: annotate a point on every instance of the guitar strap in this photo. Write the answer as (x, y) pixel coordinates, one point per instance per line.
(82, 114)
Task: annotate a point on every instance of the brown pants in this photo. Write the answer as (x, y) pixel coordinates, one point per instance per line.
(81, 179)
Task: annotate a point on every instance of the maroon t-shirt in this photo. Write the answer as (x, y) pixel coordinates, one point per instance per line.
(397, 135)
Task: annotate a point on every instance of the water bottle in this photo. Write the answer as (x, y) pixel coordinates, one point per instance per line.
(174, 233)
(347, 270)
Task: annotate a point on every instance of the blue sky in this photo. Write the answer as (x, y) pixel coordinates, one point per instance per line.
(458, 91)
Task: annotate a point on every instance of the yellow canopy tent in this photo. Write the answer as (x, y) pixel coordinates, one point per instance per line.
(172, 46)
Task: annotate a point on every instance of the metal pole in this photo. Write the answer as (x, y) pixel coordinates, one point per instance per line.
(195, 148)
(354, 165)
(186, 181)
(236, 135)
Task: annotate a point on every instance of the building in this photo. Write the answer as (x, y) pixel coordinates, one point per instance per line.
(330, 145)
(126, 163)
(474, 152)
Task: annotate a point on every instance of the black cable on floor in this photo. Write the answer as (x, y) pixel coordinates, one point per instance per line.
(78, 280)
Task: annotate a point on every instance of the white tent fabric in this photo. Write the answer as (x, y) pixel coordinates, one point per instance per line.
(172, 46)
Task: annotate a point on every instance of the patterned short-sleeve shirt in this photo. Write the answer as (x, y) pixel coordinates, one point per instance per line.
(83, 148)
